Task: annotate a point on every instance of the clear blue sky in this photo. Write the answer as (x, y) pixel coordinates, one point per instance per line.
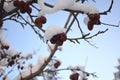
(101, 60)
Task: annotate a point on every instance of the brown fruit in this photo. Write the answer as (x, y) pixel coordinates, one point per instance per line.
(74, 76)
(97, 16)
(54, 39)
(18, 66)
(59, 42)
(4, 47)
(21, 4)
(40, 25)
(29, 10)
(22, 10)
(1, 55)
(57, 64)
(11, 63)
(1, 23)
(43, 19)
(63, 37)
(16, 3)
(91, 16)
(37, 21)
(90, 25)
(22, 67)
(26, 5)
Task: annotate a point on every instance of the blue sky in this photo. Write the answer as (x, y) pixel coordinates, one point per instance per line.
(101, 60)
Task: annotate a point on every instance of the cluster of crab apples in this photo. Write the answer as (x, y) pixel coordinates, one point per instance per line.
(24, 6)
(58, 39)
(40, 21)
(94, 20)
(12, 60)
(4, 47)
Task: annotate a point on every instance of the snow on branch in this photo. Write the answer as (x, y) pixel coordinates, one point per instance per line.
(53, 35)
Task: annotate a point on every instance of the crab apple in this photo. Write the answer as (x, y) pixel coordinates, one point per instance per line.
(11, 63)
(26, 5)
(1, 55)
(40, 25)
(88, 74)
(18, 66)
(95, 21)
(59, 42)
(94, 16)
(29, 10)
(5, 47)
(74, 76)
(22, 67)
(13, 57)
(21, 3)
(57, 64)
(43, 19)
(16, 3)
(22, 10)
(58, 39)
(63, 37)
(8, 60)
(97, 16)
(54, 39)
(90, 25)
(18, 55)
(91, 16)
(37, 21)
(1, 23)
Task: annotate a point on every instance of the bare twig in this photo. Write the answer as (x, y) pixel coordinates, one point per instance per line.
(32, 26)
(35, 7)
(99, 32)
(67, 21)
(109, 9)
(111, 24)
(63, 69)
(71, 24)
(77, 22)
(43, 66)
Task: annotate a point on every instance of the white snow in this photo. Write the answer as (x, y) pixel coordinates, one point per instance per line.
(8, 6)
(52, 30)
(27, 72)
(119, 60)
(4, 62)
(81, 68)
(5, 42)
(26, 56)
(1, 33)
(11, 52)
(66, 4)
(2, 70)
(60, 4)
(33, 69)
(82, 75)
(86, 8)
(86, 20)
(41, 60)
(51, 47)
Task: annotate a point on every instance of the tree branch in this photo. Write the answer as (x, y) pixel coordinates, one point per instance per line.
(43, 66)
(109, 9)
